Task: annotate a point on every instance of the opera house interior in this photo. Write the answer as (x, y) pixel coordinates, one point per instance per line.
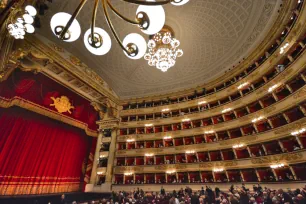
(100, 97)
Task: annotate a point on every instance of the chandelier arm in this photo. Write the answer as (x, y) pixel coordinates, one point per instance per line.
(93, 21)
(104, 2)
(134, 22)
(148, 3)
(74, 15)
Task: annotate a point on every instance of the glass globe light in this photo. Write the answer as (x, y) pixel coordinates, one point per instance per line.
(20, 20)
(175, 43)
(166, 39)
(139, 41)
(28, 18)
(179, 53)
(103, 44)
(18, 25)
(29, 28)
(151, 44)
(59, 21)
(31, 10)
(156, 18)
(179, 2)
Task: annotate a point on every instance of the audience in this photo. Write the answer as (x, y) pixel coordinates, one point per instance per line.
(234, 195)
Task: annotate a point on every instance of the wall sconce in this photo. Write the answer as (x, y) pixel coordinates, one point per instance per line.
(171, 172)
(276, 166)
(218, 169)
(257, 119)
(226, 110)
(298, 131)
(238, 146)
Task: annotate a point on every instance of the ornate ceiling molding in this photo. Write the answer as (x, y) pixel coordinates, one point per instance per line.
(33, 55)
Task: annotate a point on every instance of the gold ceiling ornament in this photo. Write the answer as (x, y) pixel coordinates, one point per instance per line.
(150, 18)
(62, 104)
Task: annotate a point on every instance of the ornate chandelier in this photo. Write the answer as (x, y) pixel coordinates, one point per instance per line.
(22, 24)
(150, 18)
(163, 49)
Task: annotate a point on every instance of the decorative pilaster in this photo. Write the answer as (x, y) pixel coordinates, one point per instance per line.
(108, 120)
(96, 159)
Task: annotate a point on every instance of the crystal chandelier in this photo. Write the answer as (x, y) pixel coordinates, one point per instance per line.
(18, 27)
(150, 18)
(163, 49)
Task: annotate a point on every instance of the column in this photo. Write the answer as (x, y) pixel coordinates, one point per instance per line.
(275, 175)
(293, 173)
(241, 174)
(96, 158)
(226, 174)
(299, 142)
(249, 150)
(257, 174)
(111, 157)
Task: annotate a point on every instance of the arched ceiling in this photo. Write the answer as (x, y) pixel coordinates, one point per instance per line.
(214, 35)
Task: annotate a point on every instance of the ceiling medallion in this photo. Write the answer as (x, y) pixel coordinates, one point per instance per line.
(150, 18)
(163, 49)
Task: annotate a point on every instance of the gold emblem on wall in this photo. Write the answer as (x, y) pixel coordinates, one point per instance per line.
(62, 104)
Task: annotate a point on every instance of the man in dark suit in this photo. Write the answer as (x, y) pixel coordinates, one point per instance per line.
(195, 199)
(162, 191)
(286, 198)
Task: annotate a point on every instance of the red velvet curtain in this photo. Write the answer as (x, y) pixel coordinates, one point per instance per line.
(39, 89)
(39, 155)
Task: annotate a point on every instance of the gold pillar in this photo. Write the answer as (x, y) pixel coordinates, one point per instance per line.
(111, 157)
(109, 120)
(96, 158)
(257, 174)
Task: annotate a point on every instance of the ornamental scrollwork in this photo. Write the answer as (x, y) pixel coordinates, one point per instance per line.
(129, 169)
(291, 127)
(239, 140)
(120, 152)
(219, 163)
(278, 158)
(172, 166)
(156, 150)
(300, 93)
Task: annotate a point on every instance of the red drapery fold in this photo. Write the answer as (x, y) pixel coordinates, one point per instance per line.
(39, 89)
(39, 155)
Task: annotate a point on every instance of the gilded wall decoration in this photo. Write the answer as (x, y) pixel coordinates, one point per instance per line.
(28, 105)
(171, 166)
(156, 150)
(269, 109)
(76, 61)
(129, 169)
(218, 163)
(300, 93)
(290, 157)
(120, 152)
(62, 104)
(57, 48)
(239, 140)
(55, 69)
(291, 127)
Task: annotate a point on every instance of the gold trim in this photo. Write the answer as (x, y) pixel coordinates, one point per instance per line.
(28, 105)
(289, 157)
